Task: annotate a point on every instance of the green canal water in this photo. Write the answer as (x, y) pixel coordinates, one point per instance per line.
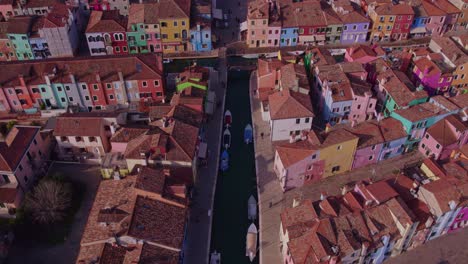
(234, 187)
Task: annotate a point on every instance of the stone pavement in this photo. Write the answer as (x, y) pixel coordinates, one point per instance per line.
(197, 245)
(272, 201)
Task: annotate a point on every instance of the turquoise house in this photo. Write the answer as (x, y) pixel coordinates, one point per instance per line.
(18, 32)
(416, 119)
(60, 96)
(47, 95)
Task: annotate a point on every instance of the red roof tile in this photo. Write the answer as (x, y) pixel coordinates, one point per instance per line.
(288, 104)
(15, 145)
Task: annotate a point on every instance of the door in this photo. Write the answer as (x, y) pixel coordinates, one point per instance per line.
(258, 43)
(151, 48)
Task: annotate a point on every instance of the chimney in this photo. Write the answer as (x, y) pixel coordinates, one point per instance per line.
(98, 78)
(327, 127)
(351, 51)
(323, 196)
(21, 79)
(112, 128)
(345, 189)
(139, 169)
(353, 123)
(379, 117)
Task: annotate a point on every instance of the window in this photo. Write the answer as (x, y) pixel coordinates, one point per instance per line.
(70, 99)
(145, 84)
(20, 167)
(373, 147)
(382, 19)
(26, 179)
(339, 147)
(423, 145)
(298, 121)
(92, 139)
(183, 23)
(87, 98)
(63, 99)
(314, 156)
(176, 35)
(391, 19)
(307, 120)
(111, 96)
(109, 86)
(175, 23)
(163, 24)
(437, 146)
(371, 157)
(156, 83)
(252, 23)
(78, 139)
(95, 98)
(95, 87)
(335, 169)
(6, 179)
(84, 87)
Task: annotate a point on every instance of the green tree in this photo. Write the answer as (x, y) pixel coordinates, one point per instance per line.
(11, 124)
(48, 202)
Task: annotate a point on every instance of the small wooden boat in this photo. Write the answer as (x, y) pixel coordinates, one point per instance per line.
(215, 258)
(227, 138)
(224, 166)
(248, 134)
(227, 118)
(252, 208)
(251, 242)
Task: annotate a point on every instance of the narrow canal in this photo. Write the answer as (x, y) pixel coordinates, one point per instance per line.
(234, 187)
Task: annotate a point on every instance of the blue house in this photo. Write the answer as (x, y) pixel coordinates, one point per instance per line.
(289, 36)
(418, 28)
(200, 37)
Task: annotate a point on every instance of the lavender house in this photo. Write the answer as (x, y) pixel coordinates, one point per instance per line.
(355, 23)
(355, 28)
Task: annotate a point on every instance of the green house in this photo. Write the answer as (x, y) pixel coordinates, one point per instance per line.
(193, 76)
(136, 39)
(416, 119)
(18, 32)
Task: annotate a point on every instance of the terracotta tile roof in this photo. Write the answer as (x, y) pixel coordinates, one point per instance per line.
(8, 195)
(113, 254)
(368, 132)
(151, 254)
(337, 136)
(460, 100)
(444, 132)
(267, 66)
(354, 17)
(424, 64)
(158, 222)
(187, 115)
(391, 9)
(392, 129)
(444, 102)
(332, 76)
(15, 145)
(321, 56)
(58, 16)
(153, 12)
(446, 6)
(450, 49)
(381, 191)
(399, 87)
(19, 25)
(303, 213)
(420, 112)
(128, 133)
(288, 104)
(402, 185)
(453, 169)
(443, 192)
(66, 126)
(257, 10)
(139, 67)
(432, 10)
(354, 201)
(295, 152)
(106, 21)
(359, 51)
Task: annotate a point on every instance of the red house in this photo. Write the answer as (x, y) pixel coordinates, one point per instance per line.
(404, 16)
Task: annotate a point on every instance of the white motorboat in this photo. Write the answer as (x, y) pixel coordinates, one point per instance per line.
(252, 208)
(251, 242)
(227, 138)
(215, 258)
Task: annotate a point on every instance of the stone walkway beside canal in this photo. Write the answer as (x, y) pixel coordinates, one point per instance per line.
(272, 200)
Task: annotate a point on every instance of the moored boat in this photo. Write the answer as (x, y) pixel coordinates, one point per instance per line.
(251, 242)
(252, 208)
(248, 134)
(227, 118)
(227, 138)
(224, 166)
(215, 258)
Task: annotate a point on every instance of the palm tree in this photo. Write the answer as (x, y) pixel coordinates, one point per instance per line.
(48, 202)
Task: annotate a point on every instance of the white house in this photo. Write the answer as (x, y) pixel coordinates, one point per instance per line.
(290, 113)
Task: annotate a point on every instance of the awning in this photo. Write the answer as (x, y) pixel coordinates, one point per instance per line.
(418, 30)
(243, 26)
(202, 150)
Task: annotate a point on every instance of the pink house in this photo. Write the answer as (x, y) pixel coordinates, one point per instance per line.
(433, 74)
(460, 221)
(443, 137)
(370, 143)
(23, 153)
(6, 9)
(274, 33)
(363, 107)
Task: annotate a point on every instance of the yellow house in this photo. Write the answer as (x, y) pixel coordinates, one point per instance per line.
(383, 20)
(174, 23)
(337, 150)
